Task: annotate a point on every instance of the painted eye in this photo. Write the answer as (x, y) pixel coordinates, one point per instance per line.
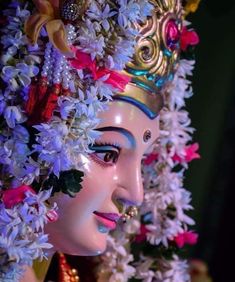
(105, 154)
(108, 157)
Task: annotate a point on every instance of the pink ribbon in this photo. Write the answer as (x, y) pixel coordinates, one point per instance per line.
(83, 61)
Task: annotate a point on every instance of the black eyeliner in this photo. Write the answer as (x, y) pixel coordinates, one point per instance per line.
(100, 147)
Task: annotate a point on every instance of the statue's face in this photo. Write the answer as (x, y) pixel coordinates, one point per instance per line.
(112, 174)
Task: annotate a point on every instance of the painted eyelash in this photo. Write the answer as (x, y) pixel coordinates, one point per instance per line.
(100, 144)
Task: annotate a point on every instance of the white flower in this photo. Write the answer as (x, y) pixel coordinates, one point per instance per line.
(174, 270)
(8, 55)
(143, 271)
(124, 50)
(22, 239)
(30, 171)
(53, 147)
(128, 11)
(102, 16)
(22, 13)
(67, 105)
(20, 75)
(117, 262)
(146, 9)
(17, 40)
(181, 87)
(13, 115)
(2, 103)
(21, 134)
(90, 42)
(105, 90)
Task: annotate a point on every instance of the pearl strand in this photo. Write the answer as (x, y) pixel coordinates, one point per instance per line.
(66, 75)
(71, 34)
(47, 66)
(58, 66)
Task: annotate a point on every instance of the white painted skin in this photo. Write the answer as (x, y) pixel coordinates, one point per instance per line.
(77, 231)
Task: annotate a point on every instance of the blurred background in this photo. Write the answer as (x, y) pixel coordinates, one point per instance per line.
(212, 178)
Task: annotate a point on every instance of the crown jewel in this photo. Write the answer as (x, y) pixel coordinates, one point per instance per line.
(70, 10)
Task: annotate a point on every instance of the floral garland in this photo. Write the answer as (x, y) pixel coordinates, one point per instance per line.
(42, 96)
(163, 222)
(22, 221)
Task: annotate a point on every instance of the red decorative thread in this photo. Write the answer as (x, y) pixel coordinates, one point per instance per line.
(83, 61)
(42, 101)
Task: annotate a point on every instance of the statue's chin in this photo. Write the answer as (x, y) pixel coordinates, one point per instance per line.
(97, 247)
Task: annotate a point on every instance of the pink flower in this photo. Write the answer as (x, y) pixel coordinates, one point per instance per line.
(83, 61)
(142, 235)
(188, 37)
(14, 196)
(150, 159)
(190, 154)
(187, 237)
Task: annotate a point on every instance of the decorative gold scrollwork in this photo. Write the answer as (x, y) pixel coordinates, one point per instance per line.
(157, 46)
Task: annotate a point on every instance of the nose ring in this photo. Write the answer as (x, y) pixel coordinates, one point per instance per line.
(131, 212)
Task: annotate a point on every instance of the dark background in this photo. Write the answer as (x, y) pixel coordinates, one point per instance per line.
(212, 109)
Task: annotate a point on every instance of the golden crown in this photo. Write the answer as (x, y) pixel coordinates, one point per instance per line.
(155, 58)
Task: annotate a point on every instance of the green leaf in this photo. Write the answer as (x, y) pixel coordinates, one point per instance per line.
(69, 182)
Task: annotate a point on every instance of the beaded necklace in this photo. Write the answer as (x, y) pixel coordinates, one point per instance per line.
(66, 273)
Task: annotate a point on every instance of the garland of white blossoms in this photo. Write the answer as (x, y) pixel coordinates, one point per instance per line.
(165, 202)
(22, 238)
(70, 130)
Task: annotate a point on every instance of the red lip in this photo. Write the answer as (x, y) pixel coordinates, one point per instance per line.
(110, 216)
(109, 220)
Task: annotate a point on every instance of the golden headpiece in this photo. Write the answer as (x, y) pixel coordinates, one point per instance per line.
(155, 58)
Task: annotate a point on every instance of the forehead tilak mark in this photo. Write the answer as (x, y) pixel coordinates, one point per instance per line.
(147, 135)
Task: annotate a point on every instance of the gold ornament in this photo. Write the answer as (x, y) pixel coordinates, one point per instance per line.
(66, 273)
(191, 6)
(156, 55)
(131, 212)
(48, 15)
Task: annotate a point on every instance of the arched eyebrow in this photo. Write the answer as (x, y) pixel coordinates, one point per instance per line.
(123, 131)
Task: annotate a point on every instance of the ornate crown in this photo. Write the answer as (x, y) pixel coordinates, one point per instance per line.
(155, 58)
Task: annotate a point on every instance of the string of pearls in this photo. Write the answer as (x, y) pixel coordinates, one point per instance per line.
(66, 74)
(59, 61)
(56, 68)
(48, 62)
